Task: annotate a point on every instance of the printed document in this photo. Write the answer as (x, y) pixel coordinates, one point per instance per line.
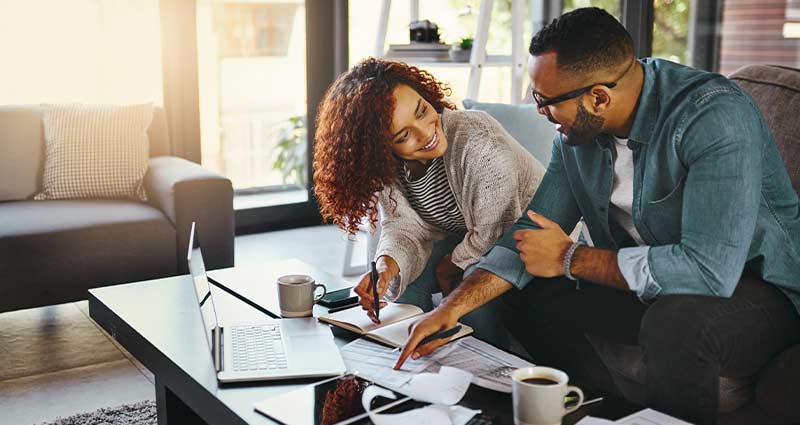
(491, 367)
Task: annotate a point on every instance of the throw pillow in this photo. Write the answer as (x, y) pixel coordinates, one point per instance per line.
(523, 122)
(95, 151)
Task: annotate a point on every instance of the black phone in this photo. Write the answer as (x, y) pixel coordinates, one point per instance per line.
(338, 298)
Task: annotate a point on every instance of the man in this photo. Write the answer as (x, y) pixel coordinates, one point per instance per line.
(694, 224)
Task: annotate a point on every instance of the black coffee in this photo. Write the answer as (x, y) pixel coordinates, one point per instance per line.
(539, 381)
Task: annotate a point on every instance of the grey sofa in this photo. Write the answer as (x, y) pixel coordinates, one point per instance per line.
(54, 251)
(773, 395)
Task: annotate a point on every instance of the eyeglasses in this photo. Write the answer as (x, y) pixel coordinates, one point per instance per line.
(543, 102)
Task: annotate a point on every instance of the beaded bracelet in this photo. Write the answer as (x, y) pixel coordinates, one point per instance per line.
(568, 259)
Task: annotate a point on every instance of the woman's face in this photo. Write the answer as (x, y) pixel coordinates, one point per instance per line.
(416, 127)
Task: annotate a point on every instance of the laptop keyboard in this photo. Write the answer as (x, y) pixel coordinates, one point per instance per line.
(258, 348)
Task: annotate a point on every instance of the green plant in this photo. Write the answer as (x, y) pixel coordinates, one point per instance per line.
(291, 147)
(466, 43)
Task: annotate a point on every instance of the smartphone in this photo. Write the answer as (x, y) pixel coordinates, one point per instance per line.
(338, 298)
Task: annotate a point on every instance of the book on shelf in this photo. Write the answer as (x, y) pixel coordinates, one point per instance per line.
(393, 329)
(424, 52)
(434, 47)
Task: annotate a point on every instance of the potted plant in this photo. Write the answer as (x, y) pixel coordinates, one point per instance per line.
(461, 51)
(291, 151)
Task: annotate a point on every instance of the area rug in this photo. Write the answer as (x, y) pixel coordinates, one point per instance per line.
(142, 413)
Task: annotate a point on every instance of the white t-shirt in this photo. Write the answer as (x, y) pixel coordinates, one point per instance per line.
(621, 209)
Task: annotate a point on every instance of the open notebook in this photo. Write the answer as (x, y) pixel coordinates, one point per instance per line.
(393, 329)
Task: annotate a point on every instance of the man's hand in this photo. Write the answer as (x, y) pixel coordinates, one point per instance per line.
(435, 321)
(543, 250)
(447, 273)
(387, 270)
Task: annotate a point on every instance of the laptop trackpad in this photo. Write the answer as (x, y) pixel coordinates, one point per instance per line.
(305, 343)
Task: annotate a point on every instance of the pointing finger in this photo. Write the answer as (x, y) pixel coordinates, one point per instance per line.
(409, 348)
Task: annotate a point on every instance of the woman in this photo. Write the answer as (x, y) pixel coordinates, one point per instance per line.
(448, 182)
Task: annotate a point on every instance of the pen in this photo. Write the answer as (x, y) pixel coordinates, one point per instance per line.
(373, 274)
(447, 333)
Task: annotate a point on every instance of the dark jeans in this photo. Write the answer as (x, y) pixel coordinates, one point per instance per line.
(688, 341)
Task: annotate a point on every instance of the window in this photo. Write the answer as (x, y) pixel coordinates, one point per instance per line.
(671, 30)
(252, 76)
(611, 6)
(88, 51)
(764, 31)
(456, 19)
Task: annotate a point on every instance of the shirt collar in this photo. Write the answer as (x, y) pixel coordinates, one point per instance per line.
(644, 122)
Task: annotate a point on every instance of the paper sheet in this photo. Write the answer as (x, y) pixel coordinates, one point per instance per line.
(591, 420)
(650, 417)
(429, 415)
(374, 362)
(491, 367)
(446, 387)
(642, 417)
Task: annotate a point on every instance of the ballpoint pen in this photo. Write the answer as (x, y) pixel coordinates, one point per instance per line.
(447, 333)
(373, 274)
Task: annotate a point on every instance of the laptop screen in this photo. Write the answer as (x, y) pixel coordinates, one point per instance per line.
(201, 287)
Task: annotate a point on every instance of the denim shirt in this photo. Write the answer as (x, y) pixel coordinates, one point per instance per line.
(711, 195)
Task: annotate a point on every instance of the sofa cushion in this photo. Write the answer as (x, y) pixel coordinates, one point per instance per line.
(21, 152)
(51, 251)
(778, 389)
(532, 130)
(776, 90)
(95, 151)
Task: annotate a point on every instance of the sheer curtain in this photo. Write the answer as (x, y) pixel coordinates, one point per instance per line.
(89, 51)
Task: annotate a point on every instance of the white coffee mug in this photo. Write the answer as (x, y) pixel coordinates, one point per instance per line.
(538, 395)
(296, 295)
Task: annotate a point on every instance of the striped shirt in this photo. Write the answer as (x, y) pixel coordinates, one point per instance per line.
(430, 196)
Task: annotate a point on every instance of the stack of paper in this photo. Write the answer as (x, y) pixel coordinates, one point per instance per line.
(491, 367)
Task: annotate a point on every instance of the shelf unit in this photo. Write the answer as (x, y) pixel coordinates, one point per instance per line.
(478, 58)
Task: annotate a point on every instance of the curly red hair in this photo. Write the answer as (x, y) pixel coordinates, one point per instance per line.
(353, 157)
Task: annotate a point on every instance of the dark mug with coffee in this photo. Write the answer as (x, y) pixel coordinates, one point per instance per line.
(538, 395)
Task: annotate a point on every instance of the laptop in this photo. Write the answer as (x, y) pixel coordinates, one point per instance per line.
(264, 350)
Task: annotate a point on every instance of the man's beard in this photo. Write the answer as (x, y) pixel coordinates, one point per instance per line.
(586, 127)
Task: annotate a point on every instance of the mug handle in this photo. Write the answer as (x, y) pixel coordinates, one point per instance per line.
(324, 291)
(576, 390)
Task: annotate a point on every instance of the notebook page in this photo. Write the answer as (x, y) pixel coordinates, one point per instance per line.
(357, 317)
(397, 333)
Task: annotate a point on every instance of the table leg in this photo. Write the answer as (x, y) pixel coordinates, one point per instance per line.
(171, 409)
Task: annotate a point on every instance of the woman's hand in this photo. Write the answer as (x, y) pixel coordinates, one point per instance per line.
(447, 274)
(387, 270)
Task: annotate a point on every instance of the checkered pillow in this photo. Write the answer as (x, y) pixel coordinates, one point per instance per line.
(95, 151)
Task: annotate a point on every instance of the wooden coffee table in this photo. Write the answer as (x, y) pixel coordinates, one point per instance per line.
(158, 323)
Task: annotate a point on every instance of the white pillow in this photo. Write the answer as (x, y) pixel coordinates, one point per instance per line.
(95, 151)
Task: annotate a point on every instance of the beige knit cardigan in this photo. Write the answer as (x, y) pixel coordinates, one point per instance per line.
(492, 177)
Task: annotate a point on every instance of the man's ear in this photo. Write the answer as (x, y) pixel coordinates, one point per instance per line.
(601, 99)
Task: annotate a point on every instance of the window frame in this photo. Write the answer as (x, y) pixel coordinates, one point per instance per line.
(326, 57)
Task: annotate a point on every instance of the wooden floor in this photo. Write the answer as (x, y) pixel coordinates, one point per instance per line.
(56, 362)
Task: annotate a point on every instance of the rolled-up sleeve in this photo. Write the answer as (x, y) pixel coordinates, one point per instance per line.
(635, 269)
(506, 264)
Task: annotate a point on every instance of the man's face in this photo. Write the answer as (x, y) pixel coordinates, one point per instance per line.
(572, 119)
